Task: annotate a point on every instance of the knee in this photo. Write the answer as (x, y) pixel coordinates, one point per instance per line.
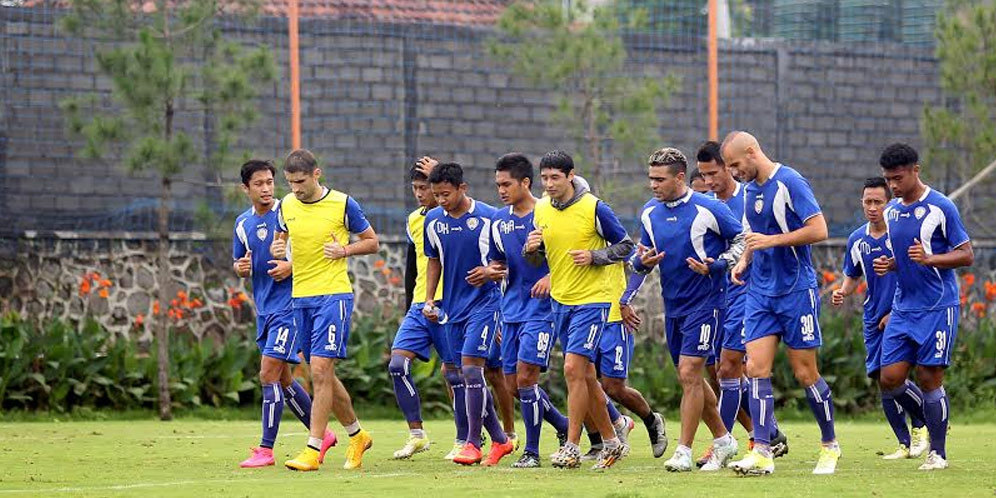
(398, 367)
(689, 374)
(729, 369)
(322, 372)
(473, 374)
(806, 376)
(757, 370)
(573, 372)
(614, 388)
(453, 376)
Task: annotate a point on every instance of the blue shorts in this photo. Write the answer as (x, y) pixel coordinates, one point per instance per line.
(731, 334)
(579, 327)
(615, 350)
(494, 359)
(873, 348)
(528, 342)
(795, 317)
(692, 334)
(323, 322)
(277, 337)
(418, 335)
(474, 336)
(920, 337)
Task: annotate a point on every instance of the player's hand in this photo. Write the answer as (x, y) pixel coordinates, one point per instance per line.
(649, 257)
(281, 269)
(757, 241)
(495, 271)
(431, 312)
(918, 254)
(278, 248)
(738, 271)
(582, 257)
(477, 276)
(631, 319)
(837, 297)
(700, 267)
(243, 265)
(534, 240)
(426, 164)
(333, 250)
(541, 289)
(884, 321)
(883, 265)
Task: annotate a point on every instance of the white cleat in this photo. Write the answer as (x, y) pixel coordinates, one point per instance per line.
(721, 456)
(934, 462)
(920, 442)
(412, 446)
(679, 462)
(901, 453)
(754, 464)
(827, 464)
(457, 448)
(623, 434)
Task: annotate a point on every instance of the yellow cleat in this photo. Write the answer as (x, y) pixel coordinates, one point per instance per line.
(514, 439)
(358, 444)
(305, 461)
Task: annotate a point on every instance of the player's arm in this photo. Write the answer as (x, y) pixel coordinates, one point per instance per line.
(814, 230)
(278, 247)
(958, 257)
(533, 251)
(241, 255)
(432, 273)
(853, 271)
(497, 267)
(367, 241)
(846, 289)
(411, 273)
(620, 245)
(730, 230)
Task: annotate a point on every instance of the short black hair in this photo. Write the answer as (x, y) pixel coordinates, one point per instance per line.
(450, 173)
(415, 173)
(696, 175)
(557, 159)
(708, 152)
(898, 155)
(300, 161)
(670, 158)
(517, 165)
(253, 165)
(877, 182)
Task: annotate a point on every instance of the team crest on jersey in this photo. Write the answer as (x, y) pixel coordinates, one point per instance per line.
(919, 212)
(472, 223)
(758, 206)
(261, 232)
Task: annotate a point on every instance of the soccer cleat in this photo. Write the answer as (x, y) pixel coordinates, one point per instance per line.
(469, 455)
(609, 456)
(920, 442)
(679, 462)
(498, 451)
(527, 461)
(623, 435)
(779, 445)
(658, 436)
(260, 457)
(514, 439)
(412, 446)
(901, 453)
(592, 454)
(706, 456)
(457, 448)
(754, 464)
(721, 456)
(358, 445)
(328, 441)
(827, 463)
(305, 461)
(934, 462)
(567, 457)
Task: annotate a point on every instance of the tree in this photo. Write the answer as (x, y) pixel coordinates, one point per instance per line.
(159, 61)
(581, 55)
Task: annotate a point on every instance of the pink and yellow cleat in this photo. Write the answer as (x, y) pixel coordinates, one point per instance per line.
(260, 457)
(328, 441)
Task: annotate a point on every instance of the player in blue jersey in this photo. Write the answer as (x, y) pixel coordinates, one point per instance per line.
(782, 220)
(527, 323)
(276, 335)
(457, 237)
(727, 375)
(680, 227)
(864, 245)
(929, 242)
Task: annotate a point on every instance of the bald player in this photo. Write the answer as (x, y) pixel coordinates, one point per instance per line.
(782, 219)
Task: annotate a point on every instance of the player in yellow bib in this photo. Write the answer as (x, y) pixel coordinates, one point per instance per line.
(316, 222)
(578, 235)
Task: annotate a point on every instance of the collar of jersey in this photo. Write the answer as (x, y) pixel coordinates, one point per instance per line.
(273, 208)
(681, 200)
(325, 194)
(473, 204)
(868, 231)
(923, 197)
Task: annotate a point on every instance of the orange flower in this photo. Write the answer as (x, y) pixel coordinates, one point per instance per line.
(182, 295)
(243, 297)
(85, 286)
(155, 308)
(105, 283)
(829, 277)
(969, 279)
(173, 303)
(979, 309)
(862, 287)
(395, 280)
(139, 319)
(95, 276)
(379, 263)
(990, 290)
(170, 313)
(196, 303)
(103, 293)
(179, 314)
(385, 271)
(964, 299)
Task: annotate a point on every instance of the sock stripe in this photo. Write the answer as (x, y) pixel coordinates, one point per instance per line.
(536, 407)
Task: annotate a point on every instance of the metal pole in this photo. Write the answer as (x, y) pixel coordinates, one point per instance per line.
(713, 70)
(295, 74)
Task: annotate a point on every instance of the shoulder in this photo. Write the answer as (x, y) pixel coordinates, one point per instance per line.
(434, 214)
(940, 200)
(336, 195)
(790, 177)
(708, 201)
(501, 214)
(244, 215)
(484, 209)
(289, 201)
(856, 235)
(418, 213)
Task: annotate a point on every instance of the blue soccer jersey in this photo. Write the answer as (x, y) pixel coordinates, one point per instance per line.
(461, 244)
(782, 204)
(862, 250)
(934, 221)
(694, 226)
(254, 232)
(508, 235)
(735, 293)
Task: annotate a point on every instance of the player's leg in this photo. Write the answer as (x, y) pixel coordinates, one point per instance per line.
(613, 447)
(413, 340)
(899, 354)
(894, 413)
(614, 362)
(936, 338)
(503, 399)
(479, 332)
(761, 348)
(272, 409)
(530, 344)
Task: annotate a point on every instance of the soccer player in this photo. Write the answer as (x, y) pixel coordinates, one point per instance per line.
(416, 335)
(864, 245)
(782, 220)
(697, 182)
(527, 323)
(680, 227)
(578, 236)
(317, 222)
(457, 237)
(928, 241)
(728, 375)
(276, 335)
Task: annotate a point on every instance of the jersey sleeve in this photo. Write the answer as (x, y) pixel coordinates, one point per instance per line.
(729, 225)
(496, 248)
(356, 222)
(239, 240)
(803, 199)
(954, 228)
(430, 240)
(281, 225)
(852, 268)
(608, 224)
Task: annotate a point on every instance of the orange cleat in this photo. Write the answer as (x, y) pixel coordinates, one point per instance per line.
(469, 455)
(498, 450)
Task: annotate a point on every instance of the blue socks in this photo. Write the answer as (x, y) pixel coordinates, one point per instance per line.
(480, 408)
(729, 401)
(455, 380)
(896, 417)
(935, 411)
(762, 409)
(613, 411)
(273, 408)
(551, 414)
(532, 407)
(821, 402)
(404, 388)
(299, 402)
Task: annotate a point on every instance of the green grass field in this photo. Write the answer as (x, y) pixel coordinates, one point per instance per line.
(199, 458)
